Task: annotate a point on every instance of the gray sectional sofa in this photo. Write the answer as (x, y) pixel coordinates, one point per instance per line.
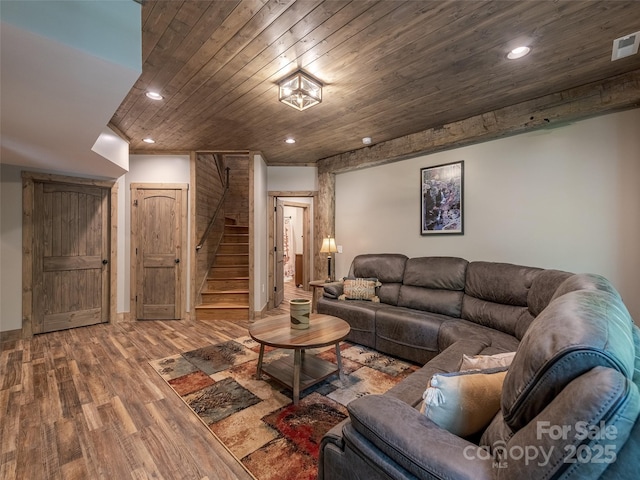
(575, 371)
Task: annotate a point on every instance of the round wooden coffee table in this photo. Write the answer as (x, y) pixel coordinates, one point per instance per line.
(301, 371)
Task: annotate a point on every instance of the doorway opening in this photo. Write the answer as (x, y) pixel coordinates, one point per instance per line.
(290, 242)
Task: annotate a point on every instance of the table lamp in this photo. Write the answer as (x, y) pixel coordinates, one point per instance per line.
(329, 247)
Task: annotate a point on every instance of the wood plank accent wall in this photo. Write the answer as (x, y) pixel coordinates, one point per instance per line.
(323, 220)
(237, 203)
(208, 189)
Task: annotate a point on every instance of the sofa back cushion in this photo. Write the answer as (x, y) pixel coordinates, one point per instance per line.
(388, 268)
(585, 281)
(575, 333)
(434, 284)
(605, 414)
(543, 288)
(496, 295)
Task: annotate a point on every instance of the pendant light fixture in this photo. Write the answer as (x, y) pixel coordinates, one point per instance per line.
(300, 91)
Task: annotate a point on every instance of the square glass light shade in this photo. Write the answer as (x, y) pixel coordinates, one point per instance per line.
(300, 91)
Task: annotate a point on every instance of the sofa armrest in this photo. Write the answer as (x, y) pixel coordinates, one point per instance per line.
(415, 442)
(333, 289)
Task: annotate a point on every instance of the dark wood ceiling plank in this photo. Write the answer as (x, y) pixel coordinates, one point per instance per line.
(482, 90)
(391, 38)
(352, 29)
(162, 57)
(391, 69)
(269, 40)
(195, 90)
(192, 27)
(241, 14)
(222, 81)
(156, 17)
(410, 107)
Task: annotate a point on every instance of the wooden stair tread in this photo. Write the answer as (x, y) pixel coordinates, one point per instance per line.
(231, 265)
(218, 268)
(219, 306)
(218, 279)
(225, 291)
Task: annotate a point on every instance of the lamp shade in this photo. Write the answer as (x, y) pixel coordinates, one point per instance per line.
(300, 91)
(329, 245)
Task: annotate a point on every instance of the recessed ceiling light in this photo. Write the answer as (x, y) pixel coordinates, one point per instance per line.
(290, 140)
(154, 95)
(148, 140)
(518, 52)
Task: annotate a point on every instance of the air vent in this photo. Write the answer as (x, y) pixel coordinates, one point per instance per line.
(625, 46)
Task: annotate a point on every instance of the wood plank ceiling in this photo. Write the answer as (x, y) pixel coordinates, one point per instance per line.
(390, 68)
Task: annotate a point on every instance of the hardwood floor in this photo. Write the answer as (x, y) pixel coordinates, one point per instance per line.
(85, 404)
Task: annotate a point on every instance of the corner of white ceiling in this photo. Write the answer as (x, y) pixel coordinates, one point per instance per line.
(113, 148)
(66, 67)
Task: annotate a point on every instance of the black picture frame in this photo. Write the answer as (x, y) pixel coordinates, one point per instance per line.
(442, 199)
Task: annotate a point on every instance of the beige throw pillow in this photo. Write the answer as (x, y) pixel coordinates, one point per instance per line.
(360, 289)
(481, 362)
(463, 403)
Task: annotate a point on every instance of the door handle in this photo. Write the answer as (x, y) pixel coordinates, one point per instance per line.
(177, 260)
(105, 261)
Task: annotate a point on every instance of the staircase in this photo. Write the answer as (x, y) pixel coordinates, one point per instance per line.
(226, 293)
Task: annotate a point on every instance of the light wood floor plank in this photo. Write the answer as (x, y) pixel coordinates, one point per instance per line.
(85, 404)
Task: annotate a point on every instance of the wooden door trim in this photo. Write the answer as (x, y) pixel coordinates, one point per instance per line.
(134, 238)
(29, 179)
(271, 195)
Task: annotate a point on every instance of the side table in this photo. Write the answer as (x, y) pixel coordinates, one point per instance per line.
(315, 285)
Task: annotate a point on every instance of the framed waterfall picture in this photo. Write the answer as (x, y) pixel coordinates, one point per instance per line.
(441, 196)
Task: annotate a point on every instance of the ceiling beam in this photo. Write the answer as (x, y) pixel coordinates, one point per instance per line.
(613, 94)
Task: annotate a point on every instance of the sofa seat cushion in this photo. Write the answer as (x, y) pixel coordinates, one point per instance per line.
(410, 389)
(409, 334)
(575, 333)
(359, 314)
(454, 330)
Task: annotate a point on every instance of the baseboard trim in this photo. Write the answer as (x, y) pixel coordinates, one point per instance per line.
(10, 335)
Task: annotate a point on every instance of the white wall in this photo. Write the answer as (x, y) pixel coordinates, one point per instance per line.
(564, 198)
(260, 254)
(295, 214)
(146, 169)
(10, 248)
(292, 179)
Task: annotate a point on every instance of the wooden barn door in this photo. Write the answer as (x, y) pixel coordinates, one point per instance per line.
(158, 232)
(71, 270)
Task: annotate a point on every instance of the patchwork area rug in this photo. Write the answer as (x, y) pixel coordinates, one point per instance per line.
(256, 419)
